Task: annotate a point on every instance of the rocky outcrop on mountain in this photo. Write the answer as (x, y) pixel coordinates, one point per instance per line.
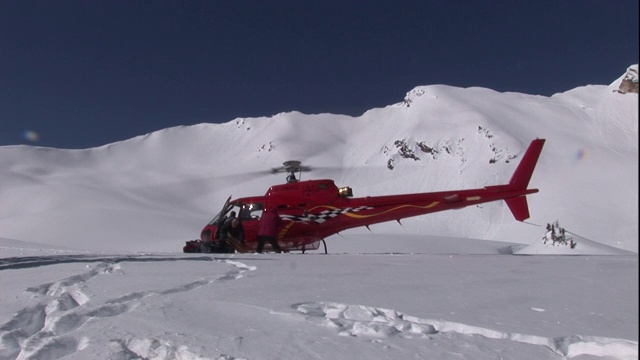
(629, 83)
(411, 148)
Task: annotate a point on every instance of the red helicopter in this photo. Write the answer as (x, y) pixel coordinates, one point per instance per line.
(312, 210)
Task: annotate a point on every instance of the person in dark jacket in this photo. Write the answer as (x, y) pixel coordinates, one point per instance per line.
(234, 235)
(268, 230)
(222, 233)
(226, 221)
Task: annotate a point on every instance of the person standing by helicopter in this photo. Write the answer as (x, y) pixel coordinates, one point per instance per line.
(268, 230)
(223, 224)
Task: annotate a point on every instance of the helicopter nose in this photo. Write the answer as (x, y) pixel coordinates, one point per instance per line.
(206, 235)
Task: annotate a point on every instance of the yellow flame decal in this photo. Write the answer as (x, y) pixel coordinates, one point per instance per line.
(358, 216)
(284, 230)
(324, 206)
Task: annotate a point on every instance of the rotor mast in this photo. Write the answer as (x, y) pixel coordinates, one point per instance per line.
(291, 167)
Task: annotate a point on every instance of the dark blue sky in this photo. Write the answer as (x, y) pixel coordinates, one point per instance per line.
(78, 74)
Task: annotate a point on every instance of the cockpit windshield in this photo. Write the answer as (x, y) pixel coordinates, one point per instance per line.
(215, 219)
(225, 208)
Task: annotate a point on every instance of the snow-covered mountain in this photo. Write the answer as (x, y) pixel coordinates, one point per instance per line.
(155, 191)
(86, 238)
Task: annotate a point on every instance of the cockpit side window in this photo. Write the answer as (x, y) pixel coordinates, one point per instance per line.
(251, 211)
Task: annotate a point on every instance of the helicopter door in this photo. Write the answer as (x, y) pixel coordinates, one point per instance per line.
(226, 206)
(224, 210)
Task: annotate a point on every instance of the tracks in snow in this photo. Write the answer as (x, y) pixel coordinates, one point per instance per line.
(52, 327)
(47, 330)
(367, 321)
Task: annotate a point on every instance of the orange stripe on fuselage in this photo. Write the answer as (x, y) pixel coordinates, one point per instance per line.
(358, 216)
(284, 230)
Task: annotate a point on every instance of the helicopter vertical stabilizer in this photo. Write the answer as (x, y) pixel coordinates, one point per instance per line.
(522, 175)
(520, 180)
(519, 207)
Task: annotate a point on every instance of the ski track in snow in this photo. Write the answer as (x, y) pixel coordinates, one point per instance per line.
(361, 320)
(46, 330)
